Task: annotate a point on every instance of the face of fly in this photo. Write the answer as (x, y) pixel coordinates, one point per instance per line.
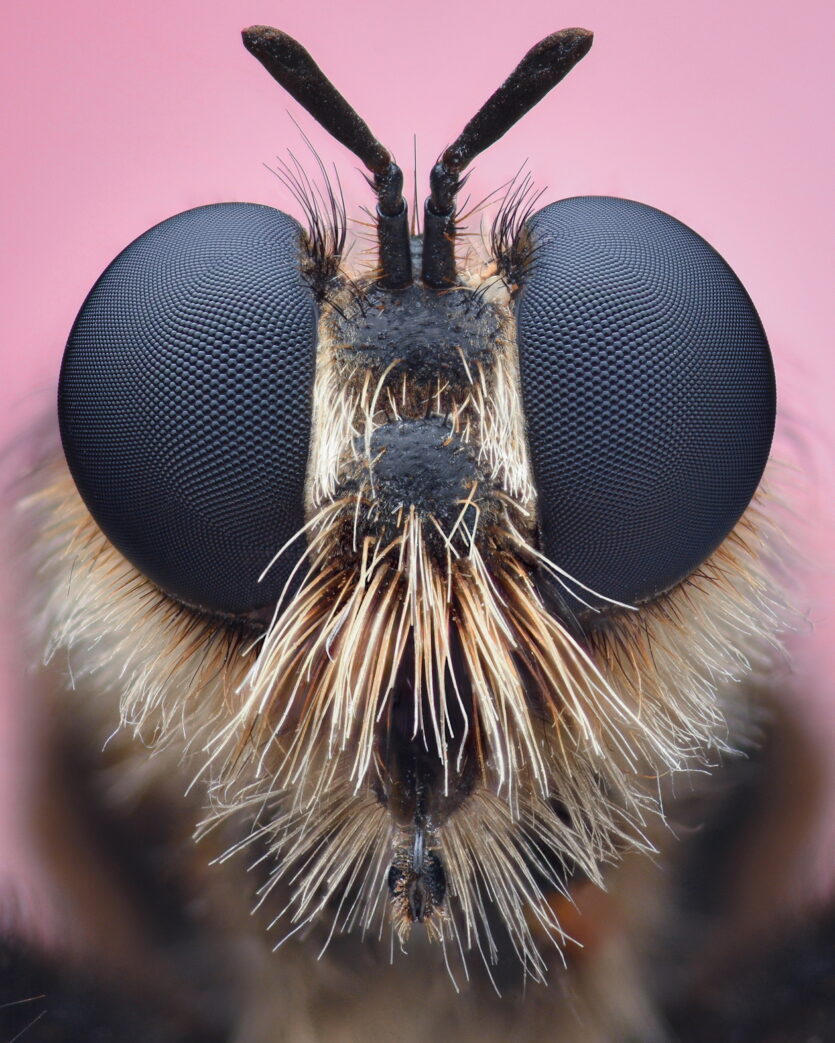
(424, 510)
(449, 562)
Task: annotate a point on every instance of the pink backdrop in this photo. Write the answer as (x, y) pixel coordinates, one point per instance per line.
(117, 115)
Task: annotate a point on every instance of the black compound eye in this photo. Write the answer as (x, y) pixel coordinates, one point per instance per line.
(185, 403)
(648, 390)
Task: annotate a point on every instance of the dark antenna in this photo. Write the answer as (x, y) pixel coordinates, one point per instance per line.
(288, 62)
(541, 69)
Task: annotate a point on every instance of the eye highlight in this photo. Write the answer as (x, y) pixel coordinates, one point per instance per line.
(185, 403)
(648, 391)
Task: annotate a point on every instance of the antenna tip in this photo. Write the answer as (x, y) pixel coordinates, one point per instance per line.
(257, 38)
(574, 42)
(583, 39)
(252, 34)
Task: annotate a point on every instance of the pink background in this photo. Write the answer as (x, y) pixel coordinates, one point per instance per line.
(118, 115)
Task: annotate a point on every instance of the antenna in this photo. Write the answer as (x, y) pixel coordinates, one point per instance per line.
(288, 62)
(542, 68)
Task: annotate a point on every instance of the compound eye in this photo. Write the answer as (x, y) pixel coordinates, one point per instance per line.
(648, 390)
(185, 403)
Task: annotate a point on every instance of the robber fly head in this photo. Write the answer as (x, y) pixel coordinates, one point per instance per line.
(430, 567)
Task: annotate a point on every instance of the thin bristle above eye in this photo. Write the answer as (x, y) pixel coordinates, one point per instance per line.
(323, 204)
(510, 245)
